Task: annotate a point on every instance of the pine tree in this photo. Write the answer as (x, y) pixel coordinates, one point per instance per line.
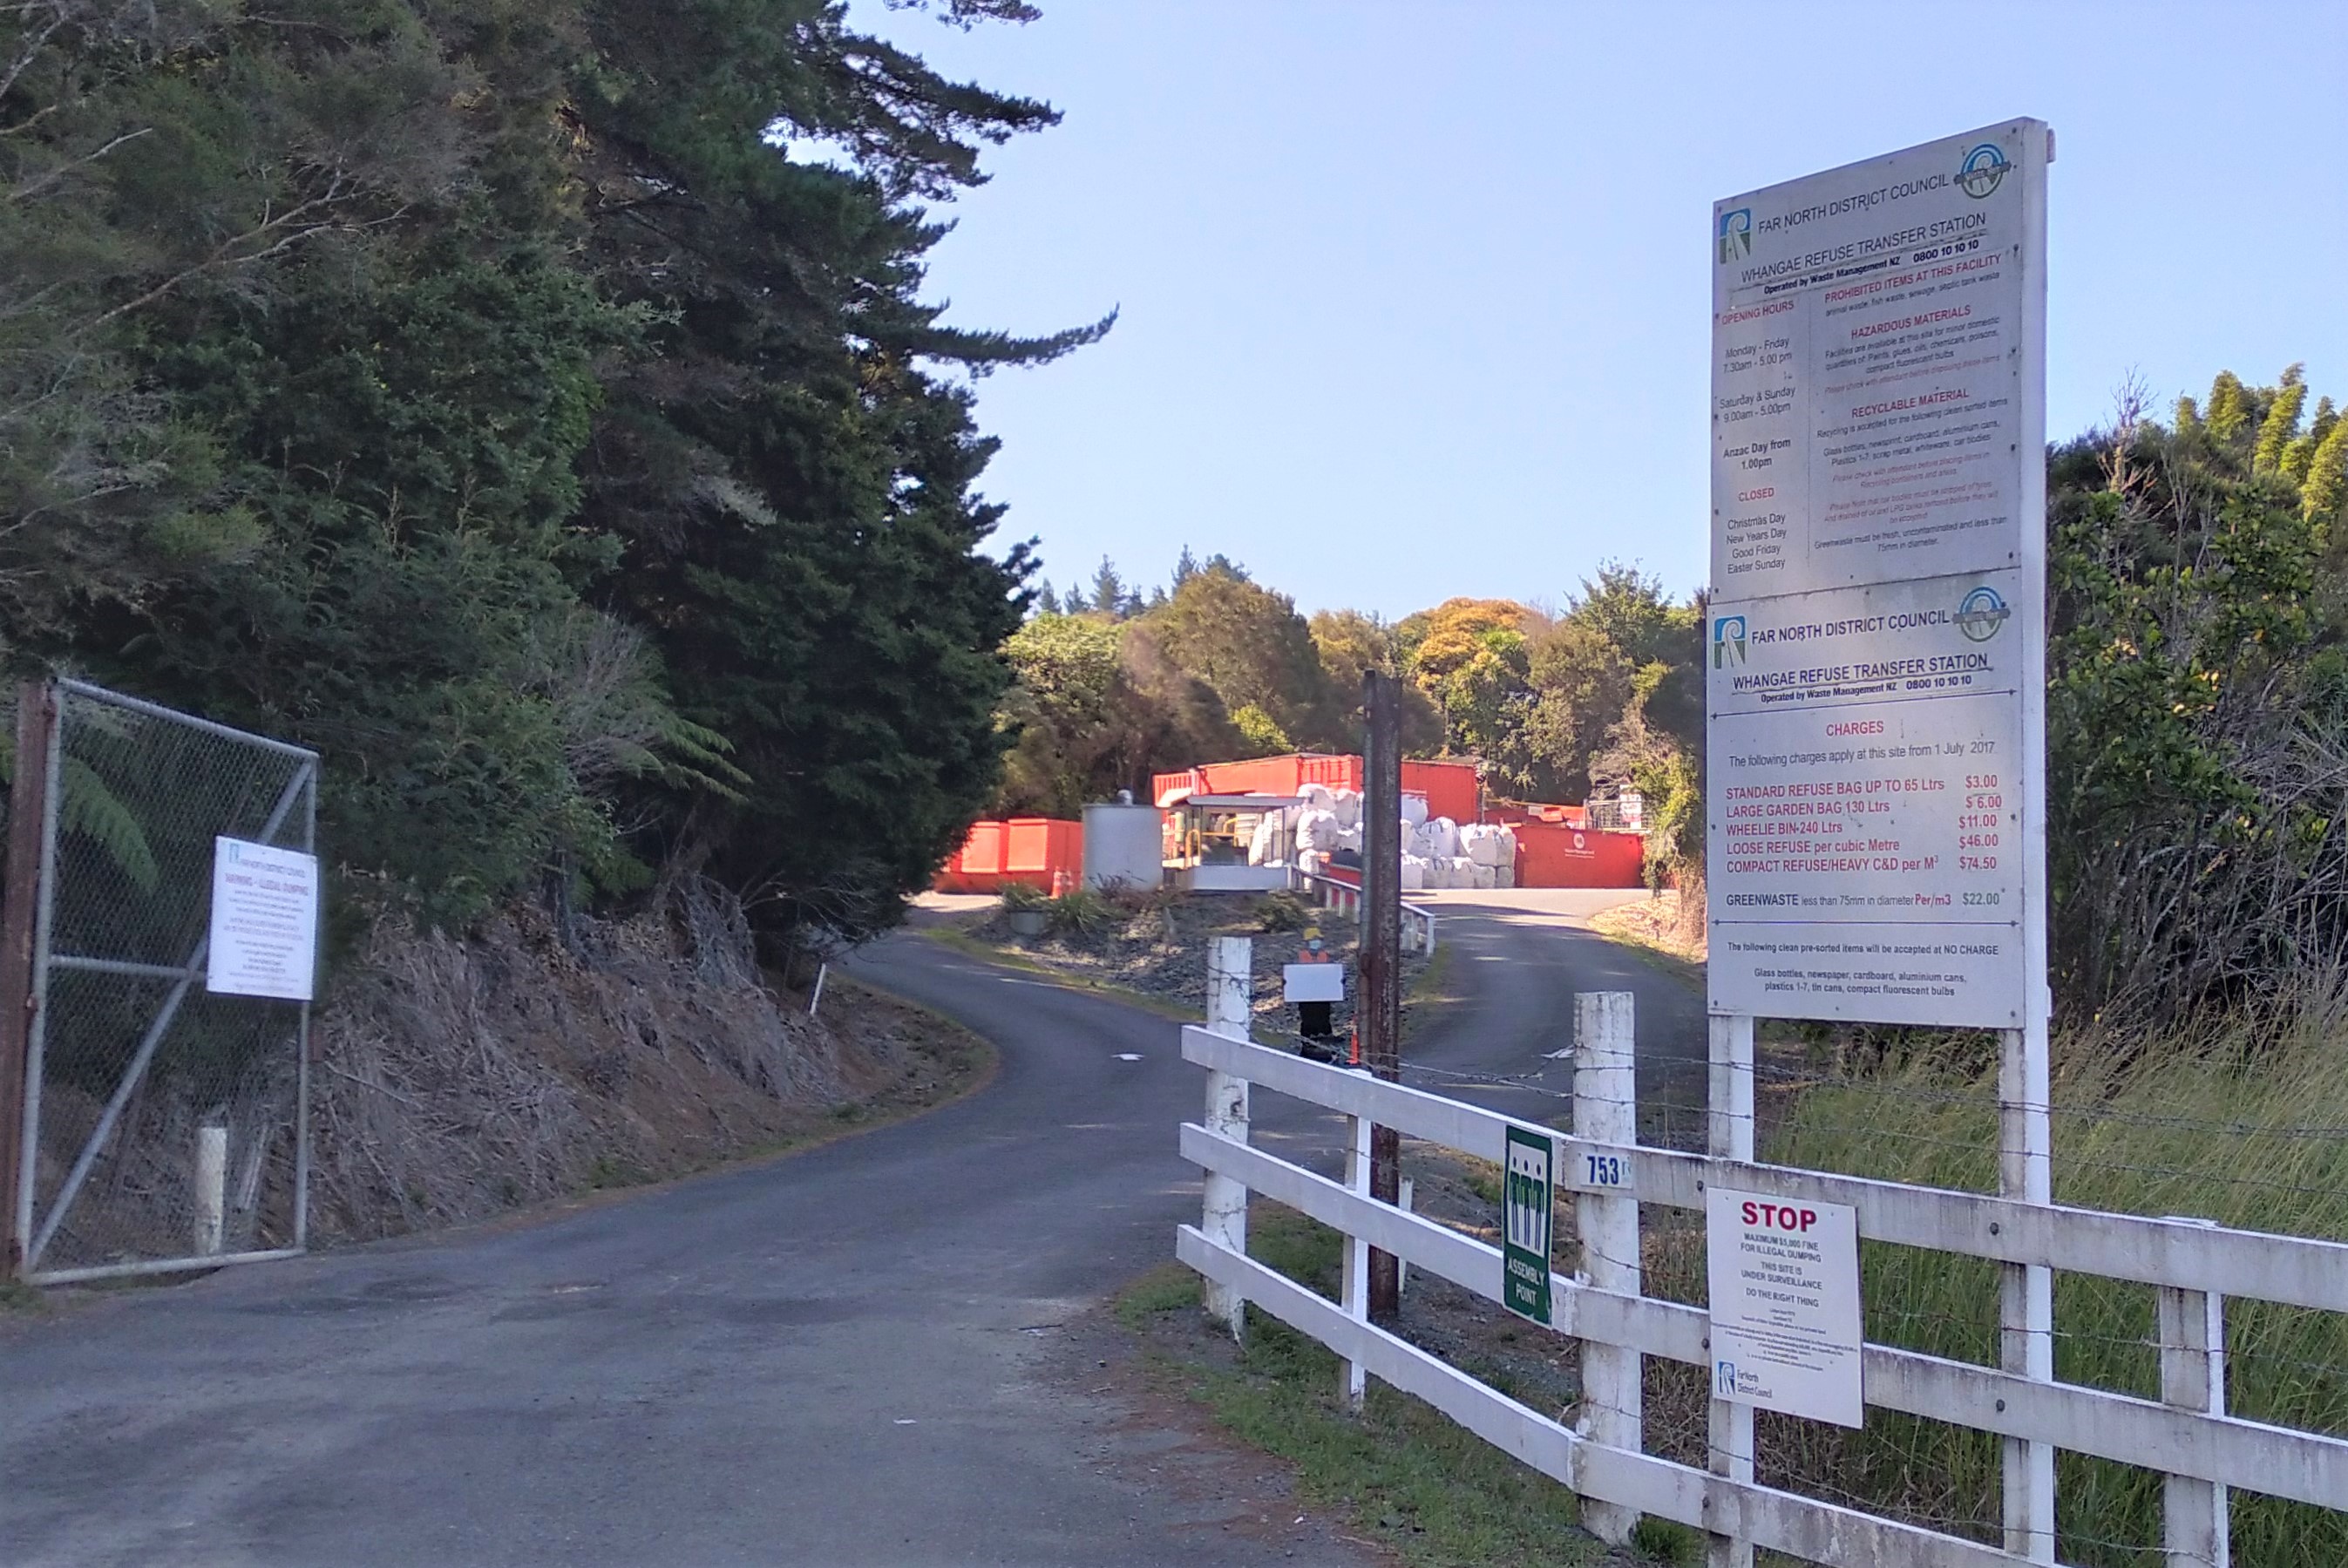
(2282, 422)
(1108, 591)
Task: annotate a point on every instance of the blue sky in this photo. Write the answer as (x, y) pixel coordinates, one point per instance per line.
(1414, 296)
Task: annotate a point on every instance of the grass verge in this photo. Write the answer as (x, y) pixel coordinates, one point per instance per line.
(1403, 1475)
(2232, 1126)
(1650, 929)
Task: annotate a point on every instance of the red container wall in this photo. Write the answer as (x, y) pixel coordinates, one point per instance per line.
(1039, 848)
(1256, 776)
(1331, 772)
(982, 851)
(1451, 787)
(1165, 787)
(1553, 854)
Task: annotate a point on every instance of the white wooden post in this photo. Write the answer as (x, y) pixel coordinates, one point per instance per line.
(211, 1188)
(1729, 1136)
(1356, 1291)
(1605, 1109)
(2026, 1291)
(2193, 1377)
(1230, 1009)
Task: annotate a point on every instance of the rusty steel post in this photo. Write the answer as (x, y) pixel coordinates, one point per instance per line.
(20, 881)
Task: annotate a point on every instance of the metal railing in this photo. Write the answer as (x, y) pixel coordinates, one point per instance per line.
(1344, 898)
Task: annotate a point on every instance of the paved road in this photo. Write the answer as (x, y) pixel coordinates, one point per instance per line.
(844, 1358)
(1518, 960)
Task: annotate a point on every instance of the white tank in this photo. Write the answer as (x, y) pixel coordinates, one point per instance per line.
(1124, 846)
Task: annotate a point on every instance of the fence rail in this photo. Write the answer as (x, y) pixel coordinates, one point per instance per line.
(1344, 898)
(2186, 1434)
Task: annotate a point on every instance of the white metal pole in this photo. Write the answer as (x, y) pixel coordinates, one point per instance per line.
(1605, 1110)
(2026, 1291)
(1230, 962)
(822, 972)
(1730, 1137)
(2025, 1143)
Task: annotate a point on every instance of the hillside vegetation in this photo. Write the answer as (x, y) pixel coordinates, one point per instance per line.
(530, 406)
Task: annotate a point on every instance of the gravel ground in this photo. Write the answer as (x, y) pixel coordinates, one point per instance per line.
(1156, 945)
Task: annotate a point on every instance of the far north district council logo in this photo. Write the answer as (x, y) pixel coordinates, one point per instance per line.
(1735, 236)
(1728, 641)
(1981, 613)
(1984, 166)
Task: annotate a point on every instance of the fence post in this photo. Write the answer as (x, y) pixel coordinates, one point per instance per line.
(37, 717)
(2026, 1291)
(1605, 1110)
(2193, 1377)
(1356, 1287)
(1230, 974)
(1729, 1136)
(211, 1188)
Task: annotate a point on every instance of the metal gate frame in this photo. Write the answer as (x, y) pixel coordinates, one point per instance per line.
(27, 1239)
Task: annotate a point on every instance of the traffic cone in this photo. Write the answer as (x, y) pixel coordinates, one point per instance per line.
(1354, 1053)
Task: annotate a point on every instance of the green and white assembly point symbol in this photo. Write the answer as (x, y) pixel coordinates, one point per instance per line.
(1525, 1228)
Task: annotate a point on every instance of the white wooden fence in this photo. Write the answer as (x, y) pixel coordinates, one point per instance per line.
(2186, 1435)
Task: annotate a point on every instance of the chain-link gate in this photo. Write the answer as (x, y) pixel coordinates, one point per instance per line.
(164, 1124)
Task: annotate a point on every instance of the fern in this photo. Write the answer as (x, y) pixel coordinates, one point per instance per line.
(90, 807)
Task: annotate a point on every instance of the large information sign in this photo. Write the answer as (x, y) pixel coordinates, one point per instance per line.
(1876, 640)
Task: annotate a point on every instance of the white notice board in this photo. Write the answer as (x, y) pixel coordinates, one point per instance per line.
(1876, 645)
(1784, 1282)
(264, 926)
(1312, 982)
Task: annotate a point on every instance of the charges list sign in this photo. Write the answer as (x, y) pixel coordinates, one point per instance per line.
(1876, 644)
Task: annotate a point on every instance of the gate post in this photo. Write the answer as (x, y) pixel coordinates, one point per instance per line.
(20, 882)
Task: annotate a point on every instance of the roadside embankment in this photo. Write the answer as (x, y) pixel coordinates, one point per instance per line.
(457, 1078)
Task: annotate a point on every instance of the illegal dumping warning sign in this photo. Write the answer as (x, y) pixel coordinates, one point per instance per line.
(1784, 1285)
(1525, 1229)
(1876, 642)
(265, 922)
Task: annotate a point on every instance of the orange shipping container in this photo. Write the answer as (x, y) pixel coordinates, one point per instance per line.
(1043, 853)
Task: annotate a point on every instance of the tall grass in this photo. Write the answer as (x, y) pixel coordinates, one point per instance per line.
(2239, 1121)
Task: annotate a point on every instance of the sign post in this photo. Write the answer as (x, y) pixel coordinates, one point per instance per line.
(1875, 642)
(1528, 1186)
